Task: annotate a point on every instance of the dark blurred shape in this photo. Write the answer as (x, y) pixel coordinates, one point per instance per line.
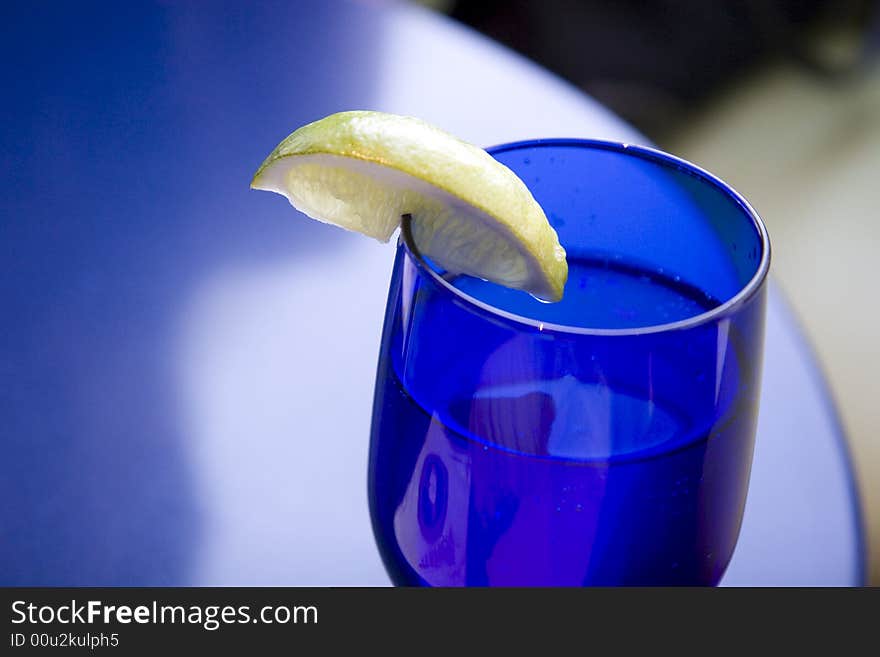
(654, 61)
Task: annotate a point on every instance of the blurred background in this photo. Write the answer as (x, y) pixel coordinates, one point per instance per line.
(781, 98)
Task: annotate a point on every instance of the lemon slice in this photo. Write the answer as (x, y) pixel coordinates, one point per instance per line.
(470, 214)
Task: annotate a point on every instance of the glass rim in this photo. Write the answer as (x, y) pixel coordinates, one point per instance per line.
(745, 293)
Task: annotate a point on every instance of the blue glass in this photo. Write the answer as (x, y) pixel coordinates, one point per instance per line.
(603, 440)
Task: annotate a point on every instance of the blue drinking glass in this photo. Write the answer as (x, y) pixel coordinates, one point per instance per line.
(603, 440)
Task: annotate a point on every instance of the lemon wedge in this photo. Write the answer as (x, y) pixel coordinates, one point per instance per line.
(363, 170)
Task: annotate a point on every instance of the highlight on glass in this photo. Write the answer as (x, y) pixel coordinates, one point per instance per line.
(603, 440)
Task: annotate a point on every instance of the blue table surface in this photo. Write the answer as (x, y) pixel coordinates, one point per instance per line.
(186, 366)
